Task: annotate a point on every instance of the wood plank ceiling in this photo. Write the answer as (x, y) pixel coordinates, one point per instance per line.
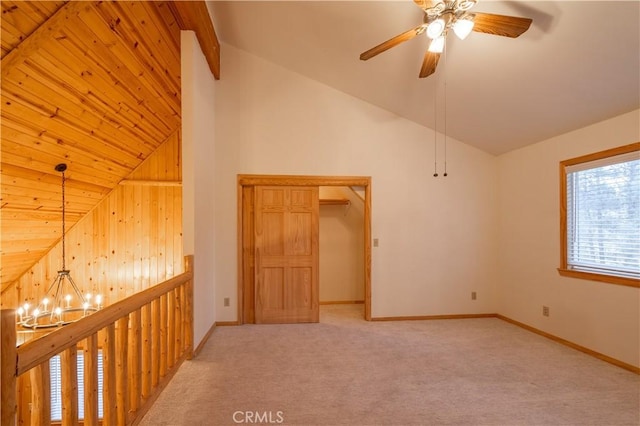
(95, 85)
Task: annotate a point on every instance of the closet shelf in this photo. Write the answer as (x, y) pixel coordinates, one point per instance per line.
(334, 202)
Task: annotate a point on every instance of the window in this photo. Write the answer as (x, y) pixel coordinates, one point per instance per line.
(56, 386)
(600, 216)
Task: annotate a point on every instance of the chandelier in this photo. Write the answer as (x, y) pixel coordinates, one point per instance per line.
(63, 301)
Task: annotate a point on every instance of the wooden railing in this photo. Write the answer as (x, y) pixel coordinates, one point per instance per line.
(142, 339)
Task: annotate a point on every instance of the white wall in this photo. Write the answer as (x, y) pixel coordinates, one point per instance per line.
(198, 120)
(341, 247)
(492, 226)
(437, 235)
(602, 317)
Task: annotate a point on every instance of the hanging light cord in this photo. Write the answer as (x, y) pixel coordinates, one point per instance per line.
(61, 168)
(64, 266)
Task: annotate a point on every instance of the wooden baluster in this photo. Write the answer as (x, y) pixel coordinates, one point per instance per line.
(146, 351)
(8, 359)
(163, 335)
(91, 381)
(155, 342)
(188, 267)
(109, 375)
(135, 361)
(40, 395)
(178, 349)
(132, 370)
(69, 378)
(171, 328)
(24, 399)
(122, 400)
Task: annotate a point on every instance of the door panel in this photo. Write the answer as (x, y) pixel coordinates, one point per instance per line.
(302, 290)
(273, 241)
(273, 198)
(286, 254)
(301, 198)
(300, 227)
(273, 288)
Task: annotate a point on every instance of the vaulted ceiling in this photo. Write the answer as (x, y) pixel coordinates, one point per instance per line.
(579, 62)
(95, 85)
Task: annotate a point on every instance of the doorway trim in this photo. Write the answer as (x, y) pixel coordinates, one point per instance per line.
(245, 181)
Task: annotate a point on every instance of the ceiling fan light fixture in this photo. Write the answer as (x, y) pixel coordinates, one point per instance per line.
(436, 28)
(437, 45)
(466, 4)
(463, 27)
(440, 16)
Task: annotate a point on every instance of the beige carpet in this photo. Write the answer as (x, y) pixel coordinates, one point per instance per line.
(345, 371)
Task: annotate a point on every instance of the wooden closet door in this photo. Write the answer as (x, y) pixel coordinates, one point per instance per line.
(286, 254)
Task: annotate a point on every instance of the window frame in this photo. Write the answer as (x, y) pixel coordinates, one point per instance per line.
(564, 270)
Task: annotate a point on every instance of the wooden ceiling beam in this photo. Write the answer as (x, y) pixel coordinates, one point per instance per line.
(41, 35)
(194, 16)
(150, 182)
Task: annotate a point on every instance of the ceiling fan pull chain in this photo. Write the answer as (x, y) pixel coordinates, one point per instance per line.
(446, 69)
(435, 152)
(435, 134)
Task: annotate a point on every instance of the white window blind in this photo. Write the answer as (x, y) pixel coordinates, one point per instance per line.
(603, 216)
(56, 386)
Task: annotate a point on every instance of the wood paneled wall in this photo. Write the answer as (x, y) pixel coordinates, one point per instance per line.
(95, 85)
(131, 240)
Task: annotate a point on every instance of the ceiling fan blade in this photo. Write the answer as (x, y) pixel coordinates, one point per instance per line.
(429, 64)
(507, 26)
(408, 35)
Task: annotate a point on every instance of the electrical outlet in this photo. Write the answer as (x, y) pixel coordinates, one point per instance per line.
(474, 296)
(226, 301)
(545, 311)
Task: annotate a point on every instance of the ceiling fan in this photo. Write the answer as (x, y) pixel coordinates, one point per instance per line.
(440, 17)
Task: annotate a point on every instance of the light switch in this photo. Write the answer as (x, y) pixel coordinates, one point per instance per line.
(375, 242)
